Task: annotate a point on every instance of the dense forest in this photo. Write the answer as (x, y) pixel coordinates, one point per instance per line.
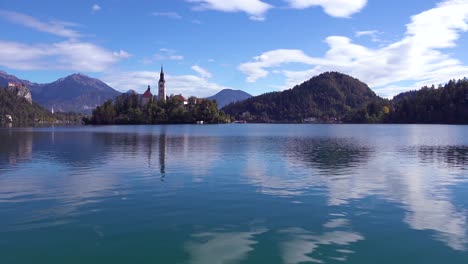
(128, 109)
(335, 97)
(329, 96)
(443, 105)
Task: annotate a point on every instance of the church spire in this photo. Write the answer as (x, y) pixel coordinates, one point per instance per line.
(162, 87)
(161, 78)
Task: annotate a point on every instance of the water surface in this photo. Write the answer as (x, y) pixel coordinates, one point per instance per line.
(234, 194)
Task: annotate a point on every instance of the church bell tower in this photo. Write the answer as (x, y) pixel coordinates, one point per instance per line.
(162, 87)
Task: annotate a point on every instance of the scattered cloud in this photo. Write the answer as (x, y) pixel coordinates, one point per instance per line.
(335, 8)
(96, 8)
(59, 28)
(164, 54)
(71, 54)
(418, 57)
(172, 15)
(202, 72)
(256, 9)
(65, 55)
(122, 54)
(372, 34)
(366, 33)
(257, 69)
(187, 85)
(168, 54)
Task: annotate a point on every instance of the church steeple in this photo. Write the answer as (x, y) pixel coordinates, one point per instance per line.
(161, 76)
(162, 87)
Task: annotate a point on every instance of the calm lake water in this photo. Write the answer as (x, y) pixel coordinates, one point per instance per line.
(234, 194)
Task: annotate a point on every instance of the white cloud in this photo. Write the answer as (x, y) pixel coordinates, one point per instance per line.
(202, 72)
(256, 9)
(167, 54)
(59, 28)
(257, 69)
(172, 15)
(417, 58)
(71, 54)
(95, 8)
(335, 8)
(122, 54)
(366, 33)
(372, 34)
(186, 85)
(66, 55)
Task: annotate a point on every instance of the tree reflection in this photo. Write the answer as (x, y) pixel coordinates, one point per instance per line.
(328, 154)
(456, 156)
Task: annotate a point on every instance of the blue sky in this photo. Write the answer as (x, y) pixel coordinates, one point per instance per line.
(254, 45)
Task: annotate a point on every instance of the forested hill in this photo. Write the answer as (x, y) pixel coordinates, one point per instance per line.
(21, 111)
(330, 95)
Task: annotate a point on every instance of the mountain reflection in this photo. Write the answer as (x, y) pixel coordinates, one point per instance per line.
(415, 178)
(75, 169)
(328, 154)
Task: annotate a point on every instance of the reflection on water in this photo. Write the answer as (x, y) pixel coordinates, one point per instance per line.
(300, 245)
(221, 247)
(451, 155)
(146, 179)
(328, 154)
(162, 154)
(16, 147)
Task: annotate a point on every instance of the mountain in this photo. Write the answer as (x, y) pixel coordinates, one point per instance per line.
(228, 96)
(75, 93)
(330, 95)
(5, 78)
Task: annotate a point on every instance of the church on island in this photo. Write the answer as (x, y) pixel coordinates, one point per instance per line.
(148, 96)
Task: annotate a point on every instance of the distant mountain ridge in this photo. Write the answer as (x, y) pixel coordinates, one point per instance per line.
(228, 96)
(5, 78)
(74, 93)
(77, 93)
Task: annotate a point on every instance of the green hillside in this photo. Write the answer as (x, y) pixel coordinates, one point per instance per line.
(328, 96)
(21, 111)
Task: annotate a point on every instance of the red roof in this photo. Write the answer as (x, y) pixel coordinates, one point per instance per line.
(148, 94)
(180, 97)
(14, 84)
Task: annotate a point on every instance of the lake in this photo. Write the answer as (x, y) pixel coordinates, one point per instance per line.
(234, 194)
